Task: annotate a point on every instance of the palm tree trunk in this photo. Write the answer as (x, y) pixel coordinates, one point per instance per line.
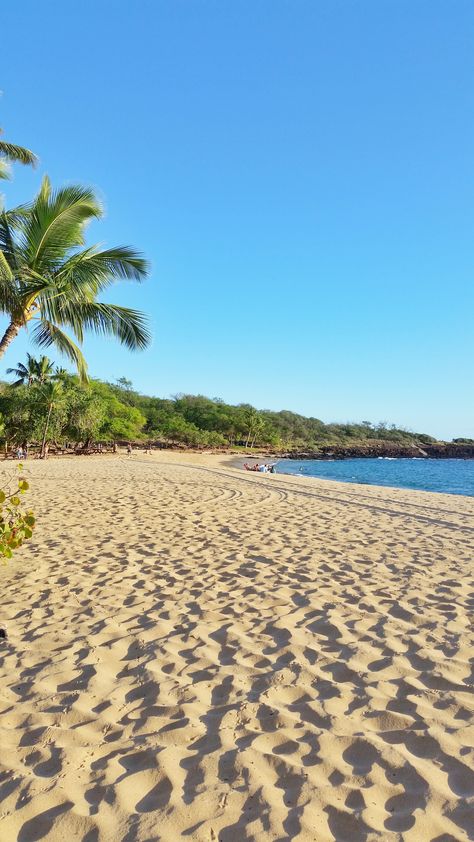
(12, 330)
(43, 443)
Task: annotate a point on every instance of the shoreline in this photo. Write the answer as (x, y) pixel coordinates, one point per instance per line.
(336, 454)
(239, 462)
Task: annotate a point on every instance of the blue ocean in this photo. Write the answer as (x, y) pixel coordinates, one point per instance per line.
(448, 476)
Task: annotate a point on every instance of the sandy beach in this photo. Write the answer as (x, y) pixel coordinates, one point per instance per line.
(198, 653)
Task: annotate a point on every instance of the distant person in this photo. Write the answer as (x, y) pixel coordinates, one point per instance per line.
(129, 449)
(263, 469)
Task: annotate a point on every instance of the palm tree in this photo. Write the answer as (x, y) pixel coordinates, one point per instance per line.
(54, 283)
(35, 371)
(252, 418)
(24, 373)
(45, 370)
(51, 397)
(60, 373)
(257, 429)
(11, 153)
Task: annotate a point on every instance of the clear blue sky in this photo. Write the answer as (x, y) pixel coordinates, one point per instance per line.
(299, 173)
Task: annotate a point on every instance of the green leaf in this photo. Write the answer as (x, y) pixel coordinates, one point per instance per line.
(17, 153)
(6, 273)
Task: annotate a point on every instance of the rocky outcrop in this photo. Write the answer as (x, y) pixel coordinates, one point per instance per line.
(387, 449)
(372, 449)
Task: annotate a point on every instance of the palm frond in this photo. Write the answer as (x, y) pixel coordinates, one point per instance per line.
(17, 154)
(6, 274)
(7, 243)
(96, 270)
(10, 222)
(20, 371)
(44, 369)
(127, 325)
(44, 192)
(47, 334)
(56, 224)
(9, 297)
(16, 216)
(5, 170)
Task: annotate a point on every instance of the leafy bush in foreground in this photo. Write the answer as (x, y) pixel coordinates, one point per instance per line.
(16, 524)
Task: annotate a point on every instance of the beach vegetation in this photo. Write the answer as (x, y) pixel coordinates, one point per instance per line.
(16, 522)
(50, 397)
(33, 371)
(46, 406)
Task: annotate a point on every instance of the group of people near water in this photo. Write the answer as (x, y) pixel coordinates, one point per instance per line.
(263, 469)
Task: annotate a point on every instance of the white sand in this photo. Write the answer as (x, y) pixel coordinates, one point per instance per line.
(198, 653)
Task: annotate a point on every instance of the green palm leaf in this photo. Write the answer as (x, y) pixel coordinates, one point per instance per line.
(47, 334)
(5, 169)
(99, 269)
(17, 154)
(6, 274)
(56, 222)
(125, 324)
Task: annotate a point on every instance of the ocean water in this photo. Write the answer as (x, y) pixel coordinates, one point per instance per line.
(448, 476)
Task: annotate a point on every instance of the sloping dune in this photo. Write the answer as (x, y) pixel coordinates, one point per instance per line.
(196, 653)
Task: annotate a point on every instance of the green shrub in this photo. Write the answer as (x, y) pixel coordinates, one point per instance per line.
(16, 524)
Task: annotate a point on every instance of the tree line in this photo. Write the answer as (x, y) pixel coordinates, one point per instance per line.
(48, 406)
